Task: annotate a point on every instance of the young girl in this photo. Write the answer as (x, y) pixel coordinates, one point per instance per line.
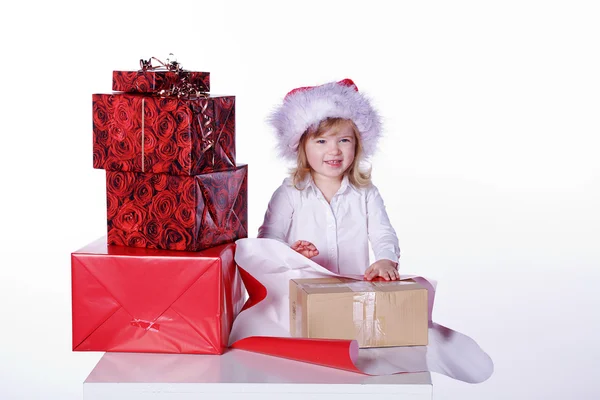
(328, 209)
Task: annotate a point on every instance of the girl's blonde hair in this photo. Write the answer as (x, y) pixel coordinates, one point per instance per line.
(358, 176)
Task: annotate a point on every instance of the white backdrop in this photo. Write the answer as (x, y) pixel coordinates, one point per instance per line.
(488, 167)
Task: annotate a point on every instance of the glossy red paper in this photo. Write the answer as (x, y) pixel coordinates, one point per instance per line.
(129, 299)
(144, 133)
(155, 81)
(326, 352)
(329, 353)
(177, 212)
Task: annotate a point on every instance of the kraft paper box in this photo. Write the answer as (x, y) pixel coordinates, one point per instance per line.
(130, 299)
(176, 212)
(155, 81)
(375, 313)
(145, 133)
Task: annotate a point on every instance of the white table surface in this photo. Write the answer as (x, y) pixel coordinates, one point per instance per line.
(236, 373)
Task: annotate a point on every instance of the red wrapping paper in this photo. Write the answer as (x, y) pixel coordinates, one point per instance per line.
(144, 133)
(326, 352)
(140, 300)
(154, 81)
(177, 212)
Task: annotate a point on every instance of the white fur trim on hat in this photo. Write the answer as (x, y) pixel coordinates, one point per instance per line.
(306, 107)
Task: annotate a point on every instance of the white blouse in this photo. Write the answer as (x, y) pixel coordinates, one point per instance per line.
(340, 230)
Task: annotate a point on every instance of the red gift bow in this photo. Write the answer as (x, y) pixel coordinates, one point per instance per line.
(146, 65)
(182, 88)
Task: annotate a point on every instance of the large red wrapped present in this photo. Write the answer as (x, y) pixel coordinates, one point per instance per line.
(177, 136)
(152, 81)
(175, 212)
(142, 300)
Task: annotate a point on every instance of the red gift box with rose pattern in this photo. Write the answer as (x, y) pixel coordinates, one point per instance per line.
(175, 212)
(145, 300)
(145, 133)
(152, 81)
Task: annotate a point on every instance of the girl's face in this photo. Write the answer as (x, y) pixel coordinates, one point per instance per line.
(332, 153)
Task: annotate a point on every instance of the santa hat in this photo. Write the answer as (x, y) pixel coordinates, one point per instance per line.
(305, 107)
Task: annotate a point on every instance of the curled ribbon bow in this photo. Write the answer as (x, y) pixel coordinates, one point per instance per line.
(182, 88)
(146, 65)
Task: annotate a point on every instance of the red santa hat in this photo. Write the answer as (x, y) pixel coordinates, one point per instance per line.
(306, 107)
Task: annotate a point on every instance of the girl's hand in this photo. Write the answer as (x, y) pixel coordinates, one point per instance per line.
(307, 249)
(384, 268)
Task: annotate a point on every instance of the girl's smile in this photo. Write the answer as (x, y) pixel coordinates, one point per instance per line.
(334, 163)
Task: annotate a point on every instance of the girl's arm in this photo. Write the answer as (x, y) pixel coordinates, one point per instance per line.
(381, 233)
(278, 216)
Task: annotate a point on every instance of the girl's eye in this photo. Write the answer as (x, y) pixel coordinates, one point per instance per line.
(320, 141)
(345, 140)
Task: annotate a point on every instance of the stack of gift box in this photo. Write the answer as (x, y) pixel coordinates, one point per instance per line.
(164, 278)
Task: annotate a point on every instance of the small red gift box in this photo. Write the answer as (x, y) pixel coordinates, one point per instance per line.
(141, 300)
(152, 81)
(177, 212)
(144, 133)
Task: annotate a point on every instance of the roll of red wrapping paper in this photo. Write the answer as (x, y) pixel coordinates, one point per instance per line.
(327, 352)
